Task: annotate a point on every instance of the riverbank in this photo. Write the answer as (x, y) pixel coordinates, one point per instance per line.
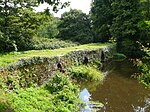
(59, 94)
(36, 85)
(120, 91)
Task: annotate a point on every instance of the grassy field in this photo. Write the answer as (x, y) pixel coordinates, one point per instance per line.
(7, 58)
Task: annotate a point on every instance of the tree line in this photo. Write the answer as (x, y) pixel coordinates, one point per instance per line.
(126, 22)
(19, 22)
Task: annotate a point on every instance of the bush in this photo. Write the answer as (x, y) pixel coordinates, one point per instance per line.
(130, 48)
(145, 78)
(84, 72)
(144, 68)
(6, 44)
(40, 43)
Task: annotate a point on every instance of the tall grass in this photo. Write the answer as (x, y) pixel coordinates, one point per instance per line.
(86, 72)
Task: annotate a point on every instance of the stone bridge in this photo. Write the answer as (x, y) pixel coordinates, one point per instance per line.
(40, 69)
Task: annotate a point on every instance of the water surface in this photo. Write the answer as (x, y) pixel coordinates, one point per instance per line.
(119, 91)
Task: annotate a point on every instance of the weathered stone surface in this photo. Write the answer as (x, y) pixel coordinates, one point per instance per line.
(39, 69)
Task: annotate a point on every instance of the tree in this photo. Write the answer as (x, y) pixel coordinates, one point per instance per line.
(75, 25)
(144, 24)
(101, 15)
(145, 8)
(49, 27)
(57, 4)
(125, 26)
(18, 22)
(18, 27)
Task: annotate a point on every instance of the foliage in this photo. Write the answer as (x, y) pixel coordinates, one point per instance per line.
(144, 27)
(84, 72)
(65, 91)
(144, 67)
(17, 28)
(58, 82)
(124, 27)
(125, 21)
(75, 26)
(40, 43)
(3, 102)
(145, 9)
(101, 15)
(56, 4)
(30, 99)
(45, 99)
(18, 23)
(49, 25)
(145, 77)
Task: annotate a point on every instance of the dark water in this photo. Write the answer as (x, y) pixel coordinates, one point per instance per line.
(119, 92)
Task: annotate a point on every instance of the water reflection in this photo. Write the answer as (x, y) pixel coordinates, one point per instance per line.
(85, 96)
(119, 92)
(88, 106)
(145, 108)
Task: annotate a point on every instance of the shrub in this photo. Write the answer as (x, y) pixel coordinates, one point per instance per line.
(58, 95)
(40, 43)
(60, 82)
(84, 72)
(145, 78)
(144, 67)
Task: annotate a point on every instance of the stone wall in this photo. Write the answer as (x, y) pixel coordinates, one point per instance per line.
(39, 69)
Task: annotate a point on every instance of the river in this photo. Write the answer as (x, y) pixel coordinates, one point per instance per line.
(119, 92)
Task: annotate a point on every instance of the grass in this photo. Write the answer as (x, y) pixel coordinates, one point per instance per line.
(8, 58)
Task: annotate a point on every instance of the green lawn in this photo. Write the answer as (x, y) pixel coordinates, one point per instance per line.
(7, 58)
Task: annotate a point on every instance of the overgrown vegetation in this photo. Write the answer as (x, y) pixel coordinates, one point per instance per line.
(144, 67)
(58, 95)
(128, 24)
(46, 43)
(21, 28)
(86, 72)
(125, 22)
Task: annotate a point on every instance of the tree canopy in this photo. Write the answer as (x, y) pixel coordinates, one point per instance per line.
(101, 15)
(18, 22)
(76, 26)
(125, 21)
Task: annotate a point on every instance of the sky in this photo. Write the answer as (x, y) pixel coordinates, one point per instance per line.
(83, 5)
